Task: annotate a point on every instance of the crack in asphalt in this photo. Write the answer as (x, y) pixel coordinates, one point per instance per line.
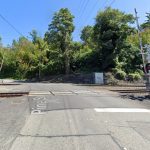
(63, 136)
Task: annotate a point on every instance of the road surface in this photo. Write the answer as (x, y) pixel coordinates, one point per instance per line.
(73, 117)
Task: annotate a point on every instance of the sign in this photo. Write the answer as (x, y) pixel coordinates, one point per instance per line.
(147, 67)
(99, 78)
(148, 52)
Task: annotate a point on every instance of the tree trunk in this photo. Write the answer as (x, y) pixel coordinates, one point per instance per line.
(1, 66)
(67, 59)
(67, 63)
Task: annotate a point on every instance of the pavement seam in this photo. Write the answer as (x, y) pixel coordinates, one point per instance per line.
(74, 121)
(52, 93)
(134, 128)
(145, 138)
(63, 136)
(33, 141)
(20, 128)
(115, 141)
(69, 124)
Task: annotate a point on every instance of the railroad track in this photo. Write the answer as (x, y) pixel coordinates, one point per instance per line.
(132, 91)
(13, 94)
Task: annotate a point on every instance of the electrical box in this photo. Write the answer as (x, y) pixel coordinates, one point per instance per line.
(98, 78)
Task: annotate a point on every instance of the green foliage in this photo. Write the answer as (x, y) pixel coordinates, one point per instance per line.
(110, 31)
(110, 79)
(145, 34)
(146, 25)
(9, 63)
(134, 76)
(110, 45)
(59, 35)
(86, 60)
(119, 74)
(87, 36)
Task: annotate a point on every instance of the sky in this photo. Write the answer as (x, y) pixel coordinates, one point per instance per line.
(26, 15)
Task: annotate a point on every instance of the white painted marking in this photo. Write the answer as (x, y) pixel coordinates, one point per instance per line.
(41, 107)
(124, 110)
(82, 91)
(37, 112)
(85, 92)
(63, 93)
(39, 93)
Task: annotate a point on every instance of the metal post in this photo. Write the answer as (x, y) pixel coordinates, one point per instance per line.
(140, 41)
(148, 72)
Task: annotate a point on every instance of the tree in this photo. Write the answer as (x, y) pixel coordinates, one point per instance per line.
(1, 55)
(59, 35)
(87, 35)
(42, 48)
(147, 23)
(26, 57)
(1, 58)
(110, 33)
(34, 36)
(133, 38)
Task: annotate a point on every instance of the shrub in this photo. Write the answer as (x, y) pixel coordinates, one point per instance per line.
(134, 76)
(110, 79)
(120, 75)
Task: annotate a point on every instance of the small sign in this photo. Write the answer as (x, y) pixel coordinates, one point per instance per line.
(148, 67)
(148, 52)
(99, 78)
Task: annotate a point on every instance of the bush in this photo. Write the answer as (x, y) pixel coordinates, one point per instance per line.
(134, 76)
(120, 75)
(110, 79)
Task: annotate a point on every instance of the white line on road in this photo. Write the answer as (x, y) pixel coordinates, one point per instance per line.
(124, 110)
(37, 112)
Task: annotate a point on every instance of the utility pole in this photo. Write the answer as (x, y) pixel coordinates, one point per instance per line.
(147, 47)
(140, 41)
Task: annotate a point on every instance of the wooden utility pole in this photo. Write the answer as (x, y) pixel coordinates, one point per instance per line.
(140, 41)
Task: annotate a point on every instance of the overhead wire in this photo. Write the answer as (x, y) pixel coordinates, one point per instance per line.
(103, 6)
(84, 9)
(12, 26)
(93, 8)
(89, 16)
(81, 5)
(113, 1)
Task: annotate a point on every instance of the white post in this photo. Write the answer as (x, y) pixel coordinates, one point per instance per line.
(148, 61)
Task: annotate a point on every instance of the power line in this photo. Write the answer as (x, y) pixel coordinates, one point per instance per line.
(12, 26)
(86, 4)
(113, 1)
(82, 2)
(105, 2)
(84, 9)
(93, 8)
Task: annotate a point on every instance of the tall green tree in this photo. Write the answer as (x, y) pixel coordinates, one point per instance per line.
(111, 31)
(87, 35)
(147, 23)
(34, 36)
(59, 35)
(26, 56)
(1, 55)
(134, 40)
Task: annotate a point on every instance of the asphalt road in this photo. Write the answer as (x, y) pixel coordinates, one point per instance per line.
(73, 117)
